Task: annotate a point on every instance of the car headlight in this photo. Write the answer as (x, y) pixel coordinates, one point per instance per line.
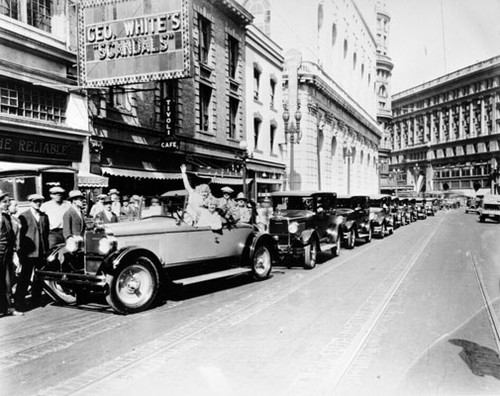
(74, 243)
(293, 228)
(107, 245)
(371, 216)
(339, 220)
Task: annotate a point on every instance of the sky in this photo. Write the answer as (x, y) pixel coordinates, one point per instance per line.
(421, 49)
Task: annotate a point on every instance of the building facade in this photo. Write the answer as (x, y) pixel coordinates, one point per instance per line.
(329, 90)
(203, 115)
(446, 132)
(43, 114)
(264, 68)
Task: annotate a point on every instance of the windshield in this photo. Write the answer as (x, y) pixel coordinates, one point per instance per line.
(344, 203)
(293, 203)
(376, 203)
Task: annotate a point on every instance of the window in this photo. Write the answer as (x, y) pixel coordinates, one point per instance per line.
(320, 16)
(233, 118)
(256, 132)
(256, 82)
(32, 102)
(272, 138)
(346, 48)
(40, 14)
(273, 92)
(334, 34)
(354, 60)
(204, 111)
(205, 32)
(9, 8)
(233, 49)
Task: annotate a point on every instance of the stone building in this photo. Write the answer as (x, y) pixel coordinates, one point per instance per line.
(446, 132)
(43, 114)
(329, 83)
(203, 115)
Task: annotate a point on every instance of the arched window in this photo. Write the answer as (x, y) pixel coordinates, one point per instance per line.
(334, 146)
(354, 60)
(346, 47)
(362, 70)
(320, 16)
(334, 34)
(382, 91)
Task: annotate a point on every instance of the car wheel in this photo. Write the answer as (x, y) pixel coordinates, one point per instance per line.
(336, 250)
(351, 240)
(368, 238)
(310, 254)
(134, 286)
(382, 233)
(391, 230)
(261, 262)
(60, 293)
(481, 219)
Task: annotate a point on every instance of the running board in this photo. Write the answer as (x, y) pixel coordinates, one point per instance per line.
(212, 275)
(327, 246)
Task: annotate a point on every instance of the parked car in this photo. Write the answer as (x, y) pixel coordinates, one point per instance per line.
(420, 208)
(490, 208)
(130, 262)
(406, 210)
(398, 213)
(382, 218)
(304, 222)
(429, 209)
(356, 222)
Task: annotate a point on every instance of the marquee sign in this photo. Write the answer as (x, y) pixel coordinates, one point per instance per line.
(131, 41)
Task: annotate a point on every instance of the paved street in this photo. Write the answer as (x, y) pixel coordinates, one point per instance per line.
(401, 315)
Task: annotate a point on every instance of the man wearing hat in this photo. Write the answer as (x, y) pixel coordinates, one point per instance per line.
(115, 201)
(33, 246)
(55, 209)
(106, 216)
(241, 213)
(226, 203)
(73, 221)
(7, 247)
(98, 207)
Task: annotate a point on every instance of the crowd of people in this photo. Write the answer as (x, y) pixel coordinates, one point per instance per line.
(27, 237)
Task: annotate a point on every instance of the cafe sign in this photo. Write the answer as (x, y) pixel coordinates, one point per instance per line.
(132, 41)
(169, 141)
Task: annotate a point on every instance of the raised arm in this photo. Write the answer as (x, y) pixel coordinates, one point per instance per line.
(187, 186)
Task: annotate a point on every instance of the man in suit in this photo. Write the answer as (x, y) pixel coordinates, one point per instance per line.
(106, 216)
(33, 246)
(73, 221)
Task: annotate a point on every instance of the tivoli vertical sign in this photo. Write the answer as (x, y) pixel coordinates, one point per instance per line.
(170, 141)
(132, 41)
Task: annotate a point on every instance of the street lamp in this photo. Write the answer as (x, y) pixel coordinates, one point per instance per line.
(293, 131)
(395, 174)
(244, 156)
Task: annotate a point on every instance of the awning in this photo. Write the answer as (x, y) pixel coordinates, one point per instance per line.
(229, 181)
(141, 174)
(91, 180)
(262, 180)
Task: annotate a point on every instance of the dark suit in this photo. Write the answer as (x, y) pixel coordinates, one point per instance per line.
(101, 216)
(33, 247)
(73, 223)
(7, 245)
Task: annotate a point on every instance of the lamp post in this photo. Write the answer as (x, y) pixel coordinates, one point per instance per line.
(291, 130)
(348, 155)
(395, 175)
(244, 156)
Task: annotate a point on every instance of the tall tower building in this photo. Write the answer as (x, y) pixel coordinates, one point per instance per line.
(383, 90)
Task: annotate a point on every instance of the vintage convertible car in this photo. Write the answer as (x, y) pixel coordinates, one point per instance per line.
(131, 261)
(381, 215)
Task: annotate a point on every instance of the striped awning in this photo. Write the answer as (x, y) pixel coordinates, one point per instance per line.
(230, 181)
(91, 180)
(141, 174)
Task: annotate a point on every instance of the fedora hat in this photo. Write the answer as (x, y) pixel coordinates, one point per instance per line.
(75, 194)
(107, 199)
(3, 194)
(241, 196)
(114, 191)
(227, 189)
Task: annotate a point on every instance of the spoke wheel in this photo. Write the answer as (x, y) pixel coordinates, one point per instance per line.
(261, 262)
(351, 240)
(134, 287)
(60, 293)
(310, 254)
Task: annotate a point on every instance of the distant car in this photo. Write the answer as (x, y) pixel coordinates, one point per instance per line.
(131, 261)
(420, 208)
(490, 208)
(472, 205)
(355, 212)
(381, 216)
(304, 222)
(398, 212)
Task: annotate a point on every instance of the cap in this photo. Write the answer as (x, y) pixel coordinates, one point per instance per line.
(227, 190)
(241, 196)
(57, 190)
(3, 194)
(75, 194)
(114, 191)
(36, 197)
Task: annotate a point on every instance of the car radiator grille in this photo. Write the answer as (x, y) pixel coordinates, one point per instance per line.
(280, 228)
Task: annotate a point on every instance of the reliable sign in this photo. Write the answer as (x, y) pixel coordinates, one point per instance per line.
(131, 41)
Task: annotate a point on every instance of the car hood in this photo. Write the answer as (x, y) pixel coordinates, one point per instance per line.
(147, 226)
(293, 214)
(376, 210)
(344, 211)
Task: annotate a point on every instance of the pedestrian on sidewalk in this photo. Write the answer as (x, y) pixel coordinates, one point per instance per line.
(7, 248)
(55, 209)
(34, 244)
(73, 221)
